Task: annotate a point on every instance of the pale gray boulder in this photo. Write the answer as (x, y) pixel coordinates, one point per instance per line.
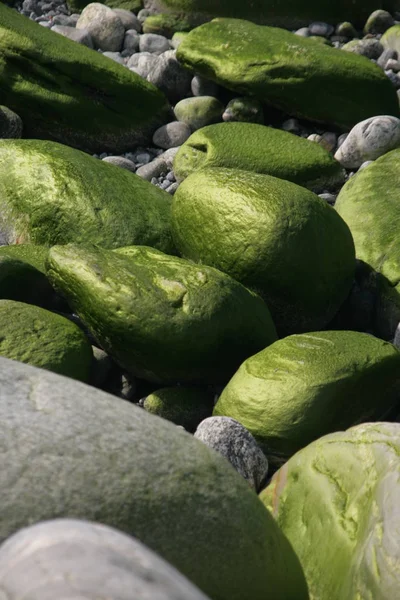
(104, 26)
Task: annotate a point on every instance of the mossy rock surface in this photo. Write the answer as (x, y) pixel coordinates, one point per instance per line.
(52, 194)
(68, 93)
(305, 386)
(22, 275)
(283, 13)
(183, 405)
(73, 451)
(297, 75)
(273, 236)
(162, 318)
(167, 24)
(260, 149)
(338, 503)
(391, 38)
(38, 337)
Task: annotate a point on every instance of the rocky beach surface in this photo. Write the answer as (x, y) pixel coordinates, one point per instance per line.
(200, 300)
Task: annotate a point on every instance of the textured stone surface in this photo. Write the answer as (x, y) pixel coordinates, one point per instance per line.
(272, 235)
(73, 451)
(338, 502)
(162, 318)
(305, 386)
(105, 27)
(71, 558)
(236, 444)
(183, 405)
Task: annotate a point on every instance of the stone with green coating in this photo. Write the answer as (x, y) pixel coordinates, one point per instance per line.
(74, 451)
(282, 13)
(292, 73)
(260, 149)
(183, 405)
(65, 92)
(338, 503)
(390, 40)
(199, 111)
(271, 235)
(38, 337)
(167, 24)
(305, 386)
(53, 194)
(22, 274)
(162, 318)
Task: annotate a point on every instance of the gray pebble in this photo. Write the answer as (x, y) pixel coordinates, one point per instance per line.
(171, 135)
(10, 124)
(244, 109)
(365, 164)
(170, 76)
(394, 78)
(200, 86)
(236, 444)
(393, 65)
(104, 26)
(321, 29)
(128, 19)
(143, 14)
(328, 197)
(172, 188)
(81, 36)
(101, 367)
(303, 32)
(153, 43)
(120, 161)
(131, 41)
(385, 56)
(115, 56)
(142, 62)
(152, 169)
(370, 47)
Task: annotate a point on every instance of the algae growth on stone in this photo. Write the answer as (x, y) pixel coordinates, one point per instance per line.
(259, 149)
(53, 194)
(68, 93)
(295, 74)
(271, 235)
(162, 318)
(305, 386)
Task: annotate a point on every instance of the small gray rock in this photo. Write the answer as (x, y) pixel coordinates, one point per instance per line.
(365, 164)
(369, 140)
(105, 28)
(199, 111)
(131, 41)
(201, 86)
(370, 47)
(171, 135)
(101, 367)
(70, 558)
(236, 444)
(153, 43)
(321, 29)
(303, 32)
(115, 56)
(169, 156)
(393, 65)
(378, 22)
(142, 62)
(10, 124)
(170, 76)
(128, 19)
(152, 169)
(291, 125)
(81, 36)
(385, 56)
(120, 161)
(245, 109)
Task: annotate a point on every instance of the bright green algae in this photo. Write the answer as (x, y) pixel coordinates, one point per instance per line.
(260, 149)
(304, 386)
(273, 236)
(292, 73)
(52, 194)
(68, 93)
(337, 501)
(285, 13)
(40, 338)
(160, 317)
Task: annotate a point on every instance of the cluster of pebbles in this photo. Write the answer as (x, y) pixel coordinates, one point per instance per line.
(153, 57)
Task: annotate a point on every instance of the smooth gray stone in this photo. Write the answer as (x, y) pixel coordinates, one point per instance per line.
(153, 43)
(128, 19)
(171, 135)
(170, 76)
(70, 558)
(105, 28)
(120, 161)
(81, 36)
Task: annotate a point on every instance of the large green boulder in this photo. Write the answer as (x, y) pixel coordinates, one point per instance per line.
(53, 194)
(370, 204)
(271, 235)
(23, 276)
(261, 149)
(68, 93)
(43, 339)
(160, 317)
(283, 13)
(304, 78)
(305, 386)
(338, 503)
(390, 40)
(74, 451)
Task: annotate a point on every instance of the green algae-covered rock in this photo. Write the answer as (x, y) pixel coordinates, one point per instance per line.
(162, 318)
(284, 13)
(73, 451)
(305, 386)
(167, 24)
(43, 339)
(261, 149)
(52, 194)
(183, 405)
(290, 72)
(271, 235)
(65, 92)
(338, 503)
(22, 274)
(391, 38)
